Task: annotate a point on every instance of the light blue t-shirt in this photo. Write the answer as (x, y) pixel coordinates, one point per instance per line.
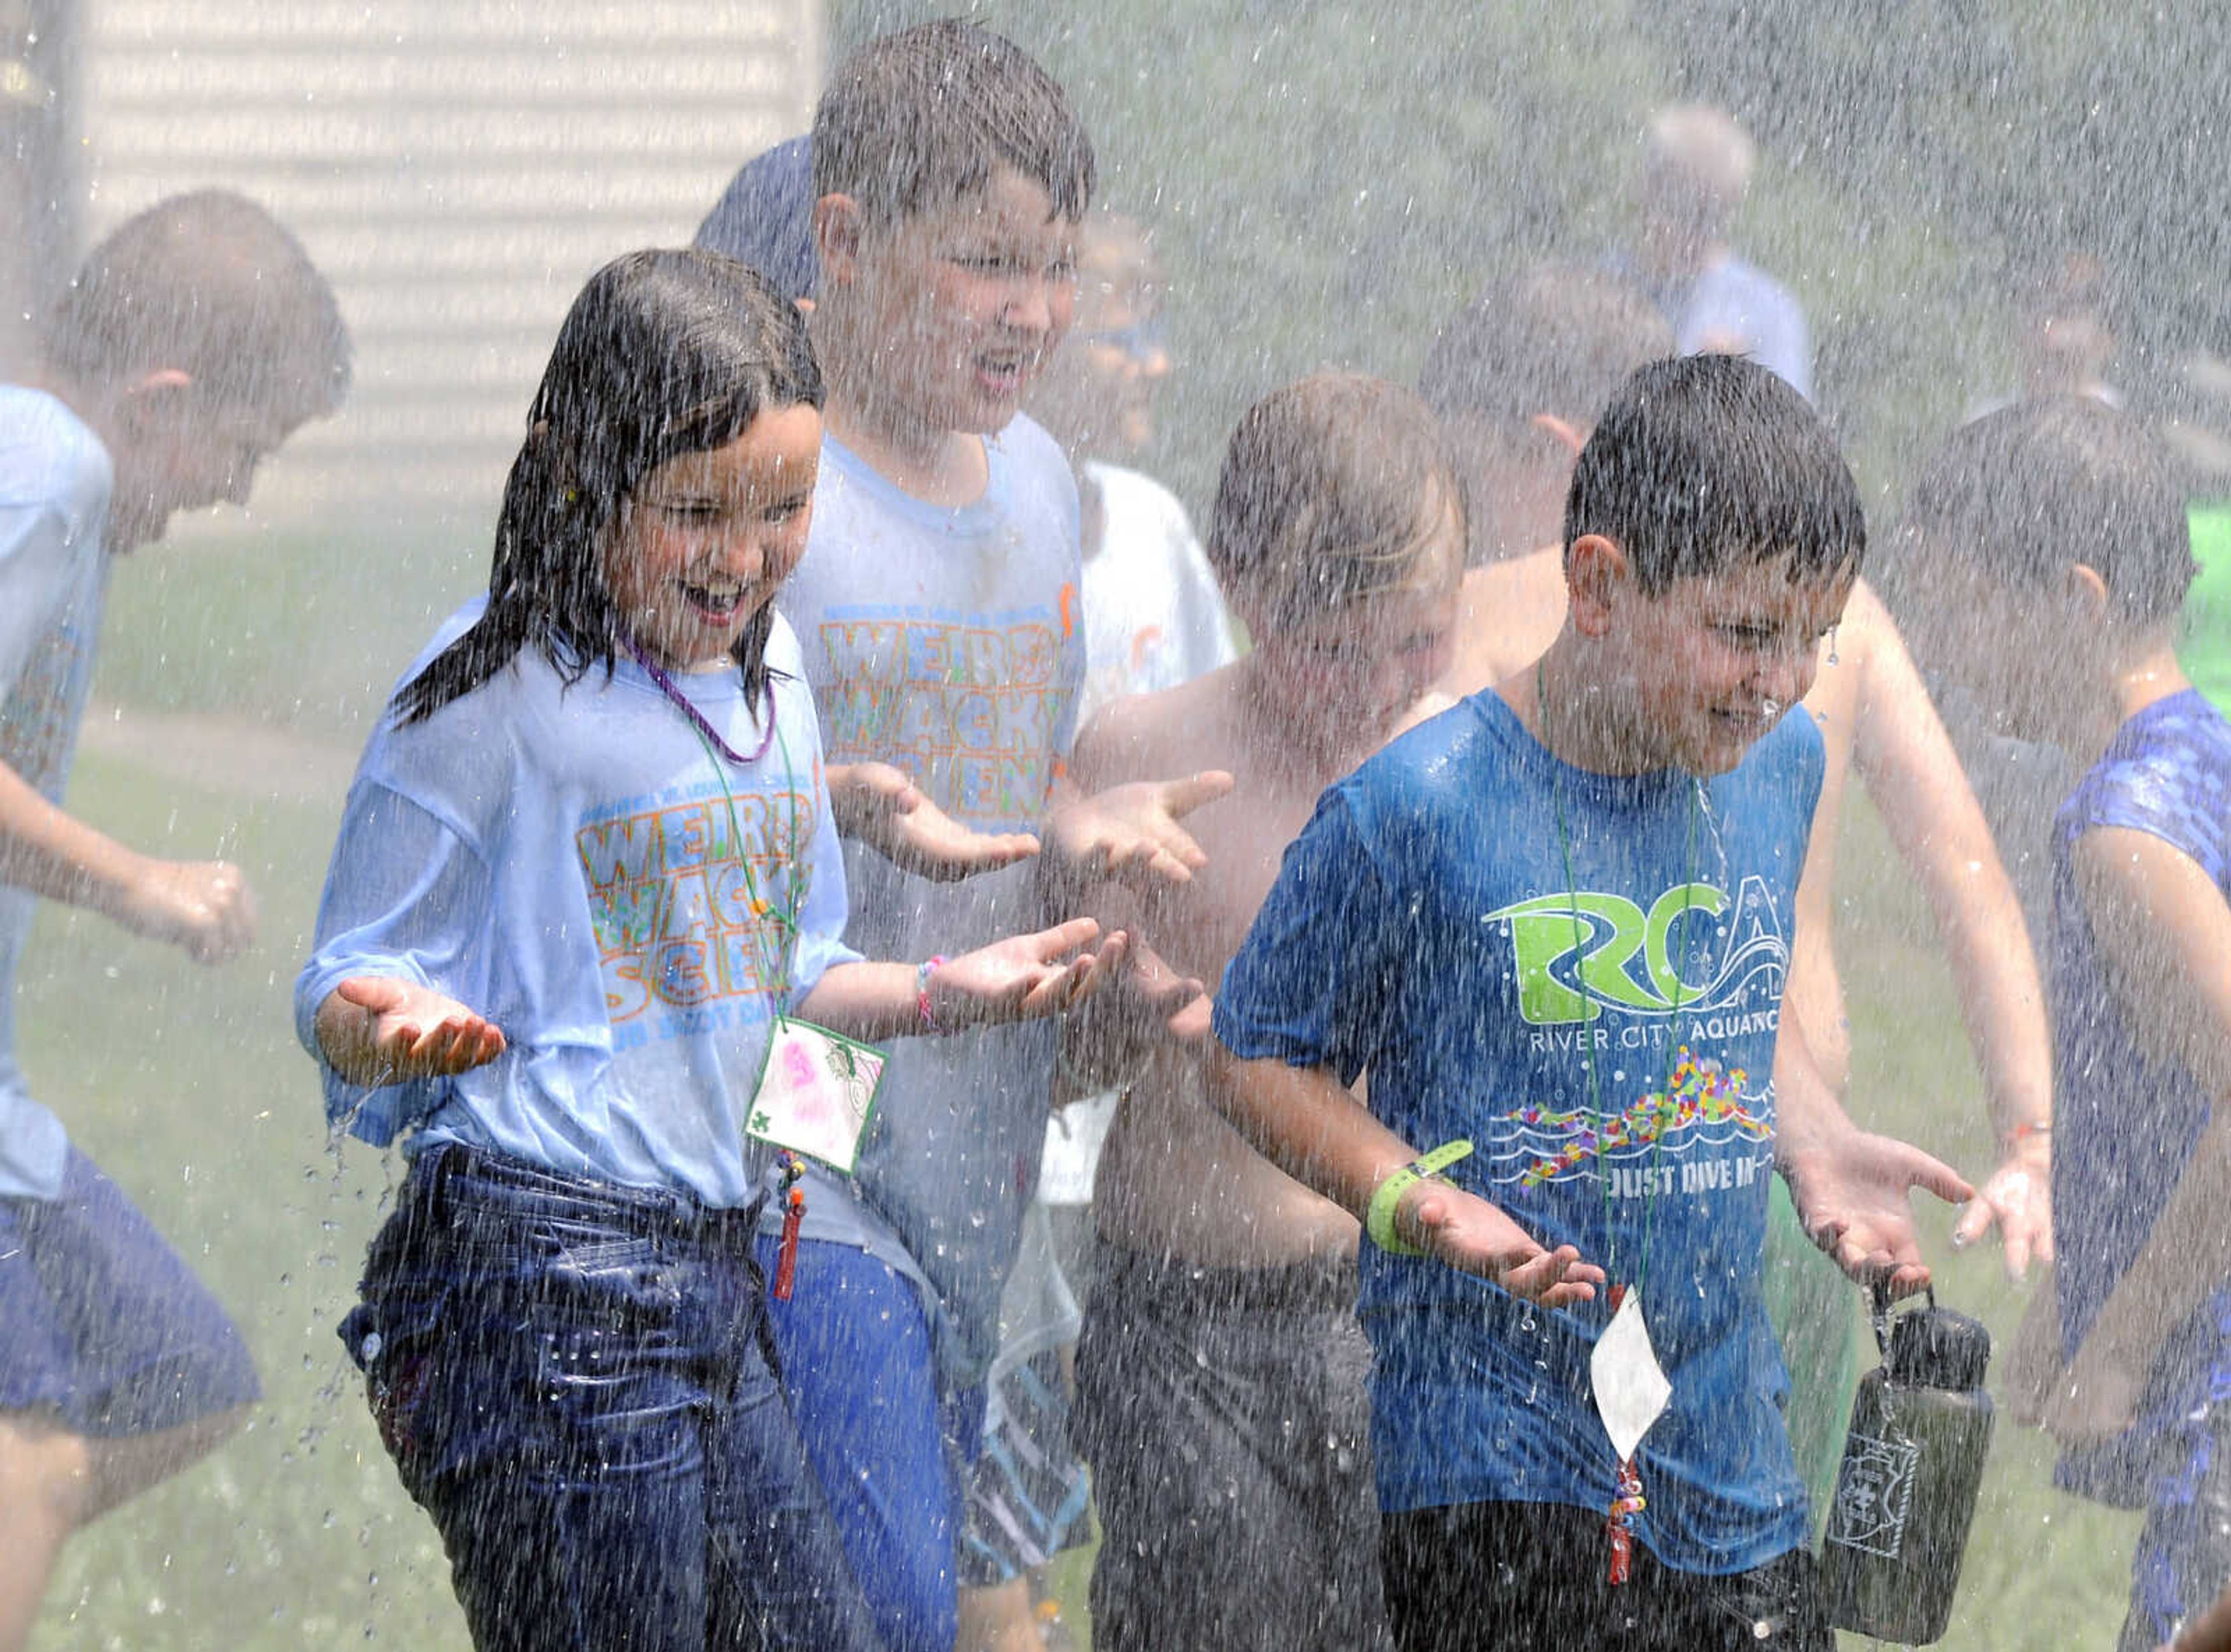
(55, 483)
(1737, 308)
(576, 864)
(1422, 932)
(948, 642)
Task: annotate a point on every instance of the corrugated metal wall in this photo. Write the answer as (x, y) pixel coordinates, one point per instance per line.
(457, 168)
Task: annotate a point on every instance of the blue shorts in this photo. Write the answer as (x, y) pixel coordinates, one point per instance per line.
(857, 1360)
(573, 1379)
(102, 1323)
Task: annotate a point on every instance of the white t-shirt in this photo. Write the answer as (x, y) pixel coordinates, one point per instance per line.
(947, 642)
(576, 865)
(56, 478)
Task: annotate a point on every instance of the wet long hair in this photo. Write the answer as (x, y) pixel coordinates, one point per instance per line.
(664, 353)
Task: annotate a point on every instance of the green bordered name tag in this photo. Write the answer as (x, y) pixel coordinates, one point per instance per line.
(816, 1093)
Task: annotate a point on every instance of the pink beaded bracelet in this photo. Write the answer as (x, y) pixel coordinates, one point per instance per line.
(923, 972)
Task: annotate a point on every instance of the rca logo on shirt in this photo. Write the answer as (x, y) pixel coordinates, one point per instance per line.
(1580, 954)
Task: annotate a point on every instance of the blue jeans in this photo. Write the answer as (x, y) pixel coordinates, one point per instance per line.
(573, 1379)
(857, 1364)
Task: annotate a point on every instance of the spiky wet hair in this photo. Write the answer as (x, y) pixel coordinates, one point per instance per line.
(915, 120)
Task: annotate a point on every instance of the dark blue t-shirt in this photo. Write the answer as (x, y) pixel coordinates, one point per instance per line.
(2124, 1122)
(1422, 932)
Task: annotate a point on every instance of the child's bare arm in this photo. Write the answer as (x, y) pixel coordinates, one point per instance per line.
(1853, 1189)
(1917, 783)
(1024, 977)
(1305, 1121)
(2163, 933)
(880, 806)
(378, 1030)
(201, 907)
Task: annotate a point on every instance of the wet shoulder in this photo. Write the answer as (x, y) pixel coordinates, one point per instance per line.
(51, 459)
(1454, 765)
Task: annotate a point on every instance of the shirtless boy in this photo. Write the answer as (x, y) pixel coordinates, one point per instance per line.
(1221, 1374)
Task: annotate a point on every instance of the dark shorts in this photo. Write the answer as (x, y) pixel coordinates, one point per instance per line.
(573, 1380)
(103, 1324)
(1224, 1415)
(1519, 1576)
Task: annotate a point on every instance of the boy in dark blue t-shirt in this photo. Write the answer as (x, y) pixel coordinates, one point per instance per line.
(1554, 923)
(2056, 530)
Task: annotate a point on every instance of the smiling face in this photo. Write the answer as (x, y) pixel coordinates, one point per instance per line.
(702, 544)
(1700, 672)
(967, 302)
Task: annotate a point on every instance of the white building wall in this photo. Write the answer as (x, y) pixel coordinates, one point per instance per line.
(457, 168)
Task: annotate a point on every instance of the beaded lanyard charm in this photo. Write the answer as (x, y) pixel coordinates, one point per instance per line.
(1630, 1387)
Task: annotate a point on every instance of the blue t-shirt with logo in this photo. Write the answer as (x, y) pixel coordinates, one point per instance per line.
(1426, 932)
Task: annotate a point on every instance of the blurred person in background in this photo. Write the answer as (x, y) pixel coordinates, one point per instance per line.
(765, 218)
(2057, 528)
(1698, 165)
(193, 341)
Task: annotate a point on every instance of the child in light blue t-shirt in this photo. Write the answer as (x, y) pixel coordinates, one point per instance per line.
(586, 869)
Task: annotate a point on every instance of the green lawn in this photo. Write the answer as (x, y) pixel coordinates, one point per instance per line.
(188, 1087)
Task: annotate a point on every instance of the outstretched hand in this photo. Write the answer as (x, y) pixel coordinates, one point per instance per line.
(877, 803)
(1131, 831)
(1854, 1199)
(1467, 1232)
(201, 907)
(2018, 1199)
(376, 1028)
(1024, 976)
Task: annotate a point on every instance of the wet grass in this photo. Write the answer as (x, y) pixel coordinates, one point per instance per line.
(186, 1084)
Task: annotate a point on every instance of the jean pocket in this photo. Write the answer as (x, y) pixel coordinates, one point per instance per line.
(395, 1336)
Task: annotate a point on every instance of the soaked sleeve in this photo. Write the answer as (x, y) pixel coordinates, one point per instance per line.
(406, 898)
(1308, 984)
(2170, 792)
(34, 556)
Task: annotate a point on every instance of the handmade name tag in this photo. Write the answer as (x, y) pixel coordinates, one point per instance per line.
(816, 1092)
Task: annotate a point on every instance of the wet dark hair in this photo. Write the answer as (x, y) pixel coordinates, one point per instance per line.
(1703, 464)
(917, 119)
(211, 283)
(1330, 488)
(1559, 339)
(664, 353)
(2031, 489)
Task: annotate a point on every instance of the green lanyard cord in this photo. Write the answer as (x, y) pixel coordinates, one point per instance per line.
(1599, 1120)
(777, 955)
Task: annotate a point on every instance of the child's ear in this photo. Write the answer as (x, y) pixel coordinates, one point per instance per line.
(2081, 584)
(1565, 433)
(838, 223)
(1597, 575)
(151, 398)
